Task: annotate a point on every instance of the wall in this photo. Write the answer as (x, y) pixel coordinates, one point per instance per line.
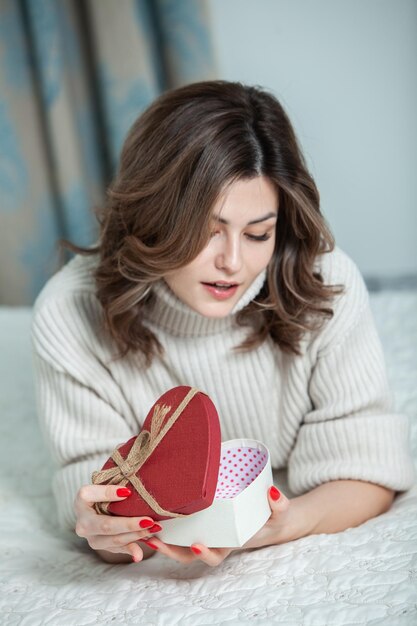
(346, 71)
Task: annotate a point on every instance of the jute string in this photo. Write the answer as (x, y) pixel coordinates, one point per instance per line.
(145, 443)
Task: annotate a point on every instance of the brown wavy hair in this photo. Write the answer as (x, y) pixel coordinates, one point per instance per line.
(177, 158)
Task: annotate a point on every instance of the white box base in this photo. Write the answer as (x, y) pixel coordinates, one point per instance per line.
(226, 523)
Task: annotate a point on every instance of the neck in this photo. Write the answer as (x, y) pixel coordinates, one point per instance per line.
(176, 317)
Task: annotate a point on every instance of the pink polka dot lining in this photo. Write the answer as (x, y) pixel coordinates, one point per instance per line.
(238, 469)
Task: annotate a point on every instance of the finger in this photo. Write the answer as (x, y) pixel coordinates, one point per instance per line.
(210, 556)
(90, 494)
(177, 553)
(115, 542)
(277, 500)
(91, 524)
(135, 552)
(133, 549)
(115, 524)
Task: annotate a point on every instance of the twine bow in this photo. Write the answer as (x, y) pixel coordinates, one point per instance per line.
(145, 443)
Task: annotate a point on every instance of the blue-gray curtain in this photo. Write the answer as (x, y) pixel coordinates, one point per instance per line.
(73, 77)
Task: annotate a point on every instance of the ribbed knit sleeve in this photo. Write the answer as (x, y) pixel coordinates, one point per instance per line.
(81, 409)
(352, 431)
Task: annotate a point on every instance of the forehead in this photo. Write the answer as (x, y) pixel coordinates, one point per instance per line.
(247, 200)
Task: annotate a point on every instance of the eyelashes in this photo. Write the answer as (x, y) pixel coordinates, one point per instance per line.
(264, 237)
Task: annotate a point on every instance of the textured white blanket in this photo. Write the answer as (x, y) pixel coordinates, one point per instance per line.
(365, 575)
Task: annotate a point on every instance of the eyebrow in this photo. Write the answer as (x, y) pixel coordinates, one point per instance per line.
(257, 221)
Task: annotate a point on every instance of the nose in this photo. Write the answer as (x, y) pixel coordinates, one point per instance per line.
(229, 256)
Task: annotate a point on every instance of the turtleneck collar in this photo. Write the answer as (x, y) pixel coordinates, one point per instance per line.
(177, 318)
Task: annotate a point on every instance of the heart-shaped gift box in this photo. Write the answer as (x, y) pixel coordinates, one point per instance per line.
(172, 466)
(240, 506)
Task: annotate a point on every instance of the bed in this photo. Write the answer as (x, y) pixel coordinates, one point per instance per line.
(365, 575)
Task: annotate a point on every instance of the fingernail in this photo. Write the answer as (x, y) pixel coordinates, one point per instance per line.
(155, 528)
(145, 523)
(149, 543)
(274, 493)
(195, 550)
(123, 492)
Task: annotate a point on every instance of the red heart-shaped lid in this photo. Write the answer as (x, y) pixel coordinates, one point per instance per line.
(182, 470)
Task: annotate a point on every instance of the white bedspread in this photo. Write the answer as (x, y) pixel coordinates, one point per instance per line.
(365, 575)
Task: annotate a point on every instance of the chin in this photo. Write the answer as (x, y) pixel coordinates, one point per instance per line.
(216, 311)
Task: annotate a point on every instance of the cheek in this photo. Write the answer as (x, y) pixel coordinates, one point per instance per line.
(181, 279)
(271, 249)
(177, 279)
(202, 261)
(261, 257)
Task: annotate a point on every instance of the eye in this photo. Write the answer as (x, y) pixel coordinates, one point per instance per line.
(264, 237)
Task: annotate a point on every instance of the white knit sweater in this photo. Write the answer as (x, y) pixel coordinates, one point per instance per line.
(326, 415)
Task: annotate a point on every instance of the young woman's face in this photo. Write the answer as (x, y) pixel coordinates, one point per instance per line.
(241, 246)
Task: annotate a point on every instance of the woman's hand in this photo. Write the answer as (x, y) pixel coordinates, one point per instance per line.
(113, 537)
(329, 508)
(276, 530)
(279, 528)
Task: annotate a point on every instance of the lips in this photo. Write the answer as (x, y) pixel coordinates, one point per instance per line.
(221, 284)
(221, 290)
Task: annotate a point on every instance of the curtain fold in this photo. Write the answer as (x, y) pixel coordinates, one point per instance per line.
(73, 77)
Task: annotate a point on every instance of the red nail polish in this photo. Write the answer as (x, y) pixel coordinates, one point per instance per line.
(149, 543)
(145, 523)
(274, 493)
(155, 528)
(195, 550)
(123, 492)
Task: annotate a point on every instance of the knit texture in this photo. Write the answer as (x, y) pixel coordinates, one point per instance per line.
(325, 415)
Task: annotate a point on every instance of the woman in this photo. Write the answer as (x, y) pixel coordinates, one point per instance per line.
(215, 269)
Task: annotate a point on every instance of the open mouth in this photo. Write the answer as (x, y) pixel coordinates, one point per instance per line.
(222, 286)
(221, 290)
